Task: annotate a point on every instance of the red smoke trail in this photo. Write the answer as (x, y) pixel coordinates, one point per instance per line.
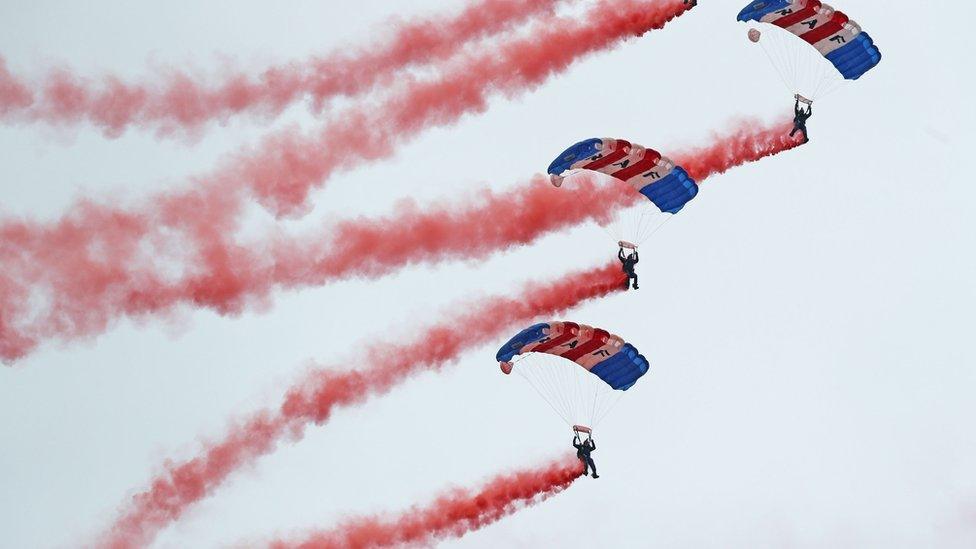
(13, 93)
(180, 101)
(748, 142)
(290, 166)
(312, 401)
(88, 291)
(92, 249)
(454, 514)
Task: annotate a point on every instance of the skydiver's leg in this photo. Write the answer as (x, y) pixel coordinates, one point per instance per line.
(586, 462)
(795, 129)
(592, 465)
(634, 276)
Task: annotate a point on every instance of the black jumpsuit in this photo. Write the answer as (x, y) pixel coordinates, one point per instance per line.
(583, 453)
(800, 117)
(628, 267)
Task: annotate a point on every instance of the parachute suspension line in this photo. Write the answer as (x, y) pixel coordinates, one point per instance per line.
(802, 62)
(612, 233)
(650, 216)
(834, 86)
(565, 373)
(602, 404)
(572, 392)
(591, 406)
(776, 66)
(613, 227)
(593, 412)
(790, 59)
(639, 226)
(550, 374)
(615, 399)
(535, 375)
(554, 409)
(545, 397)
(580, 392)
(636, 226)
(636, 221)
(649, 232)
(821, 80)
(814, 73)
(616, 230)
(830, 82)
(783, 56)
(560, 375)
(575, 390)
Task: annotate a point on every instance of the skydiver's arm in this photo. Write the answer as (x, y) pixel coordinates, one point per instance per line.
(593, 444)
(636, 258)
(796, 107)
(620, 255)
(809, 110)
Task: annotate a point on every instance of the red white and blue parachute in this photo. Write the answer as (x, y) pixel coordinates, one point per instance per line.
(578, 369)
(667, 186)
(800, 29)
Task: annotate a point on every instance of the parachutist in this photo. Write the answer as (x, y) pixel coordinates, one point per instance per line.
(800, 117)
(583, 453)
(628, 262)
(572, 366)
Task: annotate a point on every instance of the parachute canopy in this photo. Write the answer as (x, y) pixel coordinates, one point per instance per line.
(604, 355)
(665, 184)
(579, 370)
(815, 26)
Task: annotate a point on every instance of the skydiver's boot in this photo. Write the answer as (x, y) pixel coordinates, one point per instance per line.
(596, 475)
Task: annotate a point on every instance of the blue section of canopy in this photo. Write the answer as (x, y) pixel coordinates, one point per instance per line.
(583, 149)
(672, 192)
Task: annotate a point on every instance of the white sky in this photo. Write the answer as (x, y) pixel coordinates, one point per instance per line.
(808, 318)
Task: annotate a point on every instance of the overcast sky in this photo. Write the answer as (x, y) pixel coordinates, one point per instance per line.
(812, 379)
